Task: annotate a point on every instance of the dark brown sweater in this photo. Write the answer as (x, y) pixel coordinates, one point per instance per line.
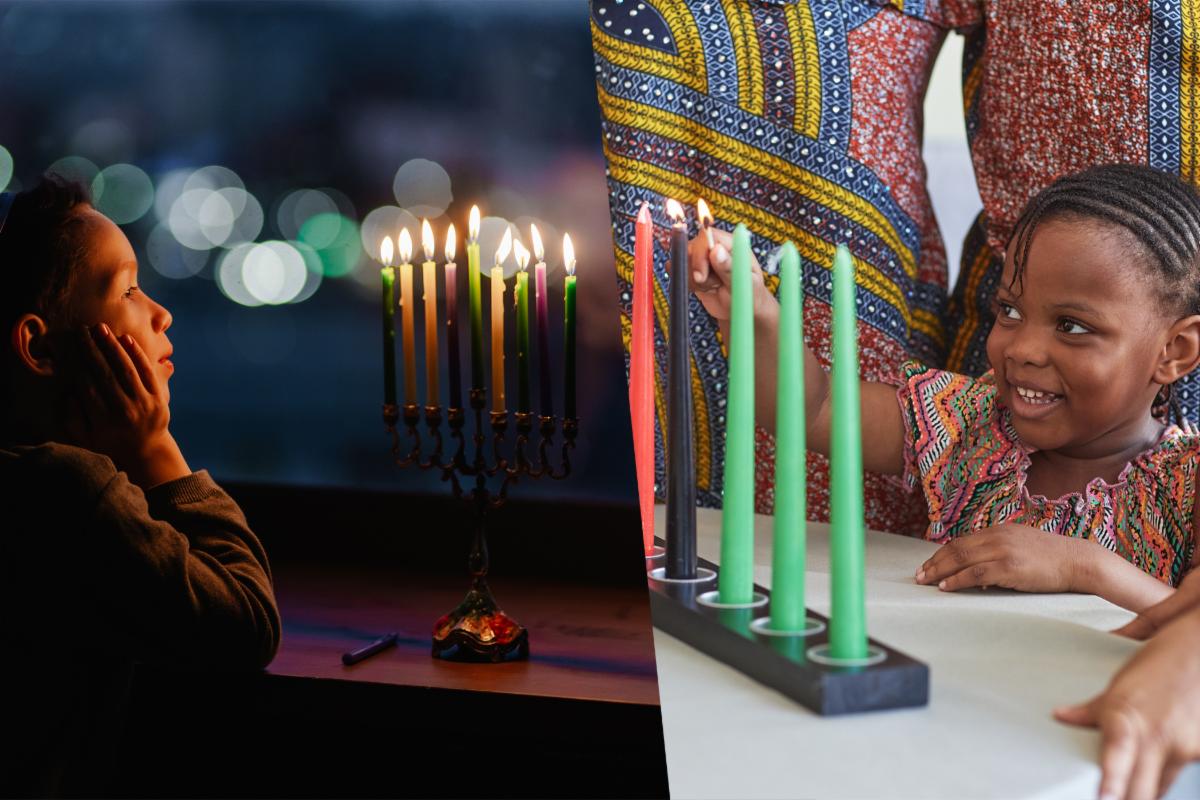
(95, 575)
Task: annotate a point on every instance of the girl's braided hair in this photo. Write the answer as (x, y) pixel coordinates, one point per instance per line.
(1160, 211)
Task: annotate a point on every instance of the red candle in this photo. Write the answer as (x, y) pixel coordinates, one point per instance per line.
(641, 371)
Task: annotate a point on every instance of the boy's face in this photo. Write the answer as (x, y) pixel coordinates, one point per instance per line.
(1085, 331)
(107, 291)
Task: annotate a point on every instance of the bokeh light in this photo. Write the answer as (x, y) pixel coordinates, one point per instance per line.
(76, 168)
(229, 276)
(211, 208)
(123, 193)
(298, 207)
(213, 177)
(423, 187)
(6, 167)
(386, 221)
(336, 240)
(314, 271)
(273, 272)
(170, 186)
(104, 141)
(171, 259)
(551, 240)
(491, 231)
(248, 216)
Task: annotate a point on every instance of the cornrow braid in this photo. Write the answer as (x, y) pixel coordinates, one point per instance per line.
(1160, 210)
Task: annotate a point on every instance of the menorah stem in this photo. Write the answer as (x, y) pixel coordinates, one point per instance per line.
(477, 560)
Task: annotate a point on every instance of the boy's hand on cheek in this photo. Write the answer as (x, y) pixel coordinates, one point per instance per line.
(1008, 556)
(124, 409)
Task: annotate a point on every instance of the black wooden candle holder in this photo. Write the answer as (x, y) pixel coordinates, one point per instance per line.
(476, 629)
(790, 664)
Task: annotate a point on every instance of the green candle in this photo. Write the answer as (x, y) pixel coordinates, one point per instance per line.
(847, 618)
(474, 299)
(522, 299)
(388, 274)
(787, 558)
(735, 583)
(569, 328)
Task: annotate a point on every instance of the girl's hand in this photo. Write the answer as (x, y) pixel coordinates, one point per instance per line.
(1009, 556)
(1149, 716)
(122, 409)
(710, 275)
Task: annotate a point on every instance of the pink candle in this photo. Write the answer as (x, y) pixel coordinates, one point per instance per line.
(641, 371)
(452, 319)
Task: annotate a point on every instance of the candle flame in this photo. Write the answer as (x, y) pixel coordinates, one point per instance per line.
(473, 225)
(505, 247)
(427, 239)
(674, 210)
(522, 254)
(568, 254)
(385, 251)
(702, 213)
(538, 252)
(405, 246)
(451, 243)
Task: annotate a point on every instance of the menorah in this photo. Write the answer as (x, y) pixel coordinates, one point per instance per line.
(480, 460)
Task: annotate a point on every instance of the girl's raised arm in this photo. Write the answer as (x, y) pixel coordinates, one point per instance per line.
(882, 424)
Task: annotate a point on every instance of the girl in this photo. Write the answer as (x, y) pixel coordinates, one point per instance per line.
(113, 549)
(1059, 462)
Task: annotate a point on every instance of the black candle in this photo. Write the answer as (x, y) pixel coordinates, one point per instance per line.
(681, 484)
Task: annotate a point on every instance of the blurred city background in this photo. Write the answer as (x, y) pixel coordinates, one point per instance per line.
(257, 153)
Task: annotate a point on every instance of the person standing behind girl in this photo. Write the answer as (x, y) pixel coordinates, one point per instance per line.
(113, 549)
(1055, 471)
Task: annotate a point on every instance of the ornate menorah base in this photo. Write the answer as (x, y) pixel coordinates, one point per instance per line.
(478, 631)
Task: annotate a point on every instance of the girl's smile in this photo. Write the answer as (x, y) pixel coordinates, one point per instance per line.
(1078, 341)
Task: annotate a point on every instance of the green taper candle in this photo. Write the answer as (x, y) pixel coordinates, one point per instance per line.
(787, 557)
(735, 582)
(474, 300)
(847, 618)
(521, 296)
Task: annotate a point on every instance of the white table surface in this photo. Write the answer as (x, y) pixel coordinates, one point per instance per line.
(999, 662)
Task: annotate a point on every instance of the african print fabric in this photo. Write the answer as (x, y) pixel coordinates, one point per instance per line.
(963, 452)
(801, 119)
(1121, 84)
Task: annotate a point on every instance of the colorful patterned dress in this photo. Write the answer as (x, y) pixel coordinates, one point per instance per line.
(802, 119)
(1051, 88)
(963, 452)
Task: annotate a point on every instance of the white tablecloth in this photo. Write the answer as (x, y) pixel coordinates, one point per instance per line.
(999, 662)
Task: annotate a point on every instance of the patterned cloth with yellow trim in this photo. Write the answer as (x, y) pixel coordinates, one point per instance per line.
(802, 119)
(1124, 90)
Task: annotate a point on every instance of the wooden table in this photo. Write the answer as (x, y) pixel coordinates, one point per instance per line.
(580, 718)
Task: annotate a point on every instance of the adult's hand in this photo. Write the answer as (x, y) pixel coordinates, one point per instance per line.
(1185, 599)
(1149, 716)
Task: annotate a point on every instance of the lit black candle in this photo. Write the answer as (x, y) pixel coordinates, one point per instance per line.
(681, 485)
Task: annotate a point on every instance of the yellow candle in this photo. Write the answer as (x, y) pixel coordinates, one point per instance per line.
(498, 399)
(429, 284)
(406, 311)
